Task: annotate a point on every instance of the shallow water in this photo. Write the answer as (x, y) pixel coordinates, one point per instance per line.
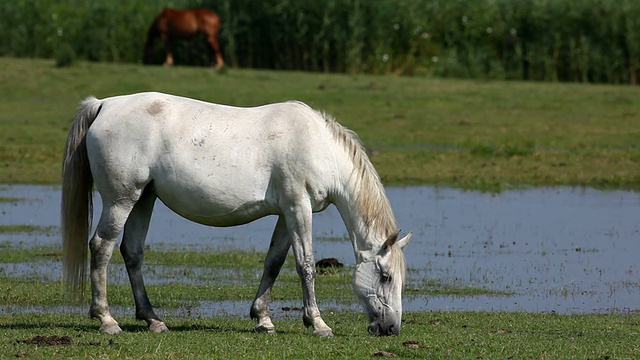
(560, 250)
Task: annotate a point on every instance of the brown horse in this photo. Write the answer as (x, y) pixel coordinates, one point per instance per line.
(183, 24)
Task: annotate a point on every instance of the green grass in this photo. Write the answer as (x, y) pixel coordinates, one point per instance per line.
(451, 335)
(439, 334)
(30, 229)
(468, 134)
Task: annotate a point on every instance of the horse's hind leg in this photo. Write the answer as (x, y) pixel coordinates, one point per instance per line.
(114, 215)
(276, 256)
(132, 249)
(215, 46)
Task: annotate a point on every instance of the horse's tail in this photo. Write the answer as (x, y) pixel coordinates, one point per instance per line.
(77, 199)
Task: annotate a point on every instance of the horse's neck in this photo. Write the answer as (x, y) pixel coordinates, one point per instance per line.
(153, 33)
(366, 231)
(359, 195)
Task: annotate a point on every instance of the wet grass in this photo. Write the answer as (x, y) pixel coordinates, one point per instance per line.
(332, 238)
(29, 229)
(15, 253)
(475, 135)
(206, 257)
(451, 288)
(426, 334)
(176, 278)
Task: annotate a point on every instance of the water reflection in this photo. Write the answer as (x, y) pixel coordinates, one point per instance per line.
(558, 250)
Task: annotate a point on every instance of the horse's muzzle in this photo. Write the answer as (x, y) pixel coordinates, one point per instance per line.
(384, 329)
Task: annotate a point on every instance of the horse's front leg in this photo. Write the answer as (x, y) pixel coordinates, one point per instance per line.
(167, 49)
(298, 220)
(132, 249)
(276, 256)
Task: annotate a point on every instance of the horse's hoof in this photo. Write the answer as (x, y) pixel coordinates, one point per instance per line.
(110, 329)
(158, 327)
(323, 333)
(264, 329)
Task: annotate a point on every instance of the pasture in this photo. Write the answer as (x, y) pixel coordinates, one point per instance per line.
(38, 325)
(489, 136)
(467, 134)
(451, 335)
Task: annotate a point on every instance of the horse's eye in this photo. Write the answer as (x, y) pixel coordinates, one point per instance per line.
(386, 278)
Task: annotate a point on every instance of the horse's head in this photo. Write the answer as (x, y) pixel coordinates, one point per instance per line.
(147, 55)
(149, 51)
(378, 282)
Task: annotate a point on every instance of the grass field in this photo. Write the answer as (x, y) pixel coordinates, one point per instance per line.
(476, 135)
(36, 324)
(433, 335)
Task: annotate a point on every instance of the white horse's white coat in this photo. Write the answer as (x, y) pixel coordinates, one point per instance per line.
(223, 166)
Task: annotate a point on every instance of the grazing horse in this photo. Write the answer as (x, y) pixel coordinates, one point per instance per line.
(183, 24)
(224, 166)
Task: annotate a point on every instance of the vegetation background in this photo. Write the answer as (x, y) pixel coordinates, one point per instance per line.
(551, 40)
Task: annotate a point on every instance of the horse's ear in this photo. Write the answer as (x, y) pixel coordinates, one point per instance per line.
(405, 240)
(391, 240)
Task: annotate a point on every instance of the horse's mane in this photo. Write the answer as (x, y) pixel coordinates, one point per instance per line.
(369, 192)
(364, 181)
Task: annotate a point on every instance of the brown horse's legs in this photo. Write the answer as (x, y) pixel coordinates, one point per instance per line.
(215, 46)
(167, 49)
(169, 61)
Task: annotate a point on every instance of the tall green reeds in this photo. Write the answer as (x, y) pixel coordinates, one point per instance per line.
(544, 40)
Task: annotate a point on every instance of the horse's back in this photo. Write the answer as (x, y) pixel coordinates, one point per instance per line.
(186, 23)
(210, 161)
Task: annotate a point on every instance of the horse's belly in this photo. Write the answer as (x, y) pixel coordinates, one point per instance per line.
(215, 207)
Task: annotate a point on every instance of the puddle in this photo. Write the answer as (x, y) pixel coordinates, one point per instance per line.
(560, 250)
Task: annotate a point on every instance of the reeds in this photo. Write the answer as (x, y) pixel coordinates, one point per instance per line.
(545, 40)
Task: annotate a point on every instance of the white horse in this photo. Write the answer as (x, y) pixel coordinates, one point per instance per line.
(222, 166)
